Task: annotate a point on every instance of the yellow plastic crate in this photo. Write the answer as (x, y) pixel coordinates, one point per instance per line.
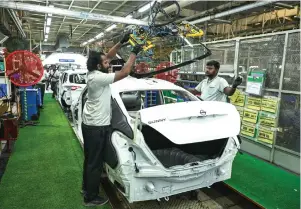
(266, 135)
(248, 130)
(267, 120)
(253, 103)
(250, 116)
(238, 98)
(269, 104)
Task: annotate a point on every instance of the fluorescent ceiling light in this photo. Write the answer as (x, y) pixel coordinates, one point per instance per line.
(146, 7)
(50, 15)
(129, 16)
(99, 35)
(111, 27)
(91, 40)
(45, 40)
(47, 30)
(49, 21)
(46, 36)
(85, 43)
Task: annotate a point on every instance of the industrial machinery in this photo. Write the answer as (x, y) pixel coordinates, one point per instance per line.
(161, 37)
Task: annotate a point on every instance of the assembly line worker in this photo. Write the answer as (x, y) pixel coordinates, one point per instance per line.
(96, 125)
(42, 85)
(215, 88)
(54, 78)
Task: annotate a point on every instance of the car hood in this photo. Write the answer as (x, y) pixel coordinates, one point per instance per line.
(191, 122)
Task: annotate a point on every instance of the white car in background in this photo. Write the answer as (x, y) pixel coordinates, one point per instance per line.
(70, 85)
(165, 141)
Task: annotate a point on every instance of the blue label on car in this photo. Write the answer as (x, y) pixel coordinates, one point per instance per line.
(66, 60)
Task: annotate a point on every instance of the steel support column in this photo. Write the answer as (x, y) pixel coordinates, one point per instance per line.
(279, 94)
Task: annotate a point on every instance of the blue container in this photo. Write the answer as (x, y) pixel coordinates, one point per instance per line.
(39, 97)
(3, 92)
(27, 87)
(29, 104)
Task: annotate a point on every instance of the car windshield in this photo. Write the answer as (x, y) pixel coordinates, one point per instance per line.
(64, 67)
(137, 100)
(78, 78)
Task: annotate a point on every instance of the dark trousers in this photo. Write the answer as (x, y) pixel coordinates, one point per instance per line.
(95, 138)
(42, 86)
(53, 88)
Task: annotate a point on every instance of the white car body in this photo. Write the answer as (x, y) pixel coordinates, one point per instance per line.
(70, 85)
(201, 132)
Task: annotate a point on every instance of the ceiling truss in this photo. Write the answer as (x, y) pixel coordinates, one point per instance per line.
(260, 19)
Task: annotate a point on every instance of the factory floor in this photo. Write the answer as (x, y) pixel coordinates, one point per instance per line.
(45, 170)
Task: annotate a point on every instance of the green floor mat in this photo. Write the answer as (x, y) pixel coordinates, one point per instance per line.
(45, 168)
(264, 183)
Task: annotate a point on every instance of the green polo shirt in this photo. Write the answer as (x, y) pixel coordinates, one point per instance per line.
(213, 90)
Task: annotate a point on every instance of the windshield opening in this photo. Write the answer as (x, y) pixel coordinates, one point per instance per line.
(137, 100)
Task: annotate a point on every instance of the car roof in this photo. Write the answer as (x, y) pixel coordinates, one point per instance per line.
(75, 71)
(133, 84)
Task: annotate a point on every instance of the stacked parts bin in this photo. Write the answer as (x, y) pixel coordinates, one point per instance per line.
(3, 90)
(39, 97)
(150, 98)
(29, 104)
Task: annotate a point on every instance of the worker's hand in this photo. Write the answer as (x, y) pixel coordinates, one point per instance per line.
(237, 82)
(125, 38)
(136, 49)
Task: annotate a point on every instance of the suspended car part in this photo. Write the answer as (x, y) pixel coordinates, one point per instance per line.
(24, 68)
(170, 76)
(158, 40)
(142, 67)
(144, 75)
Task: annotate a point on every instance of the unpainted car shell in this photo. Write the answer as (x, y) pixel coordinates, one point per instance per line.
(67, 96)
(138, 174)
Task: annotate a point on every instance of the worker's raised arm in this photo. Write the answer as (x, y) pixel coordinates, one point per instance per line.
(113, 51)
(229, 91)
(125, 71)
